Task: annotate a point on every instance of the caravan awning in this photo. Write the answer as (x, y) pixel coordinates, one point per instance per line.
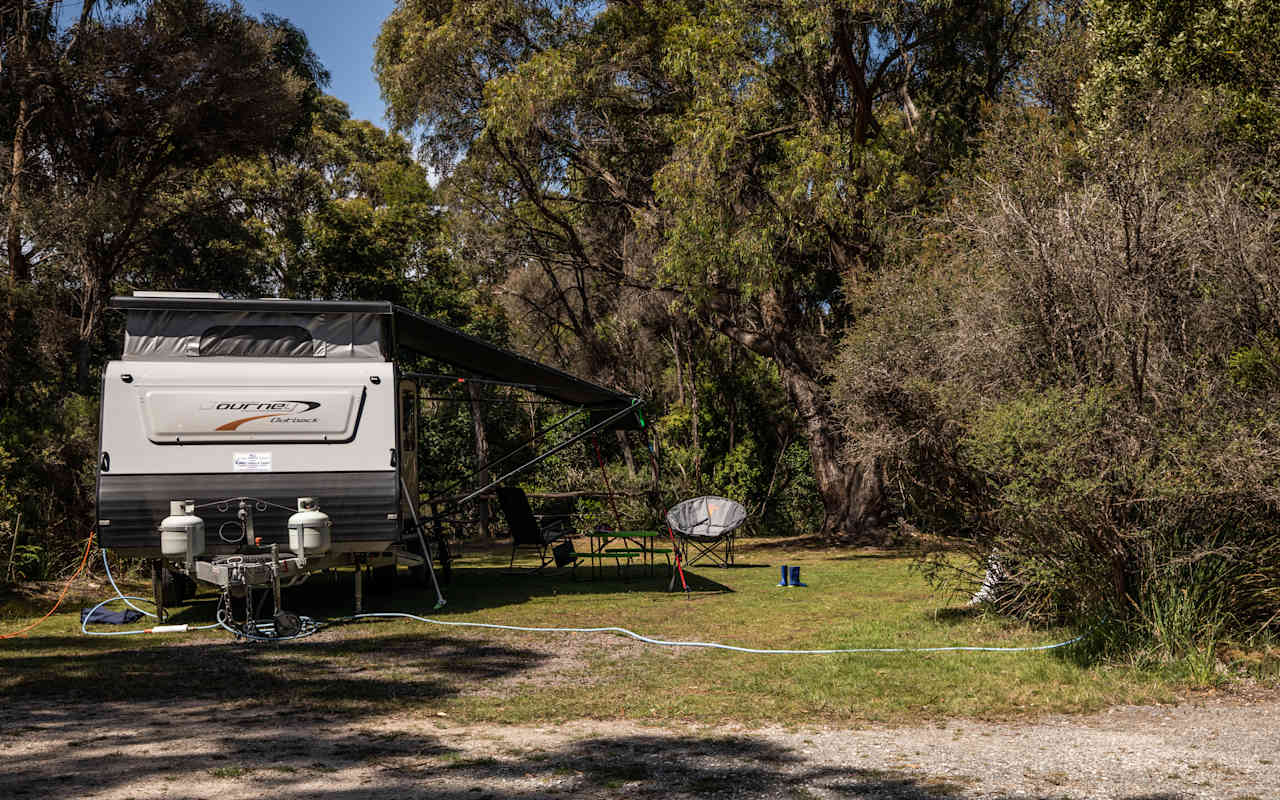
(475, 356)
(171, 325)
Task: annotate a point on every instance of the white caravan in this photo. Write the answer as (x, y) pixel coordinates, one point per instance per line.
(245, 441)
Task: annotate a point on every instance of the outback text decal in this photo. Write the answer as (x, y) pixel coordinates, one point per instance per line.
(278, 411)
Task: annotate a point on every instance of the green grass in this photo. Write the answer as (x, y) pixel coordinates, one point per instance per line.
(854, 599)
(230, 772)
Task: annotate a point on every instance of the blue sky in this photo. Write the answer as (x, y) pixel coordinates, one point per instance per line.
(341, 33)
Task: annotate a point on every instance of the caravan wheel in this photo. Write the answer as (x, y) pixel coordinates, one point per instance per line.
(166, 585)
(382, 580)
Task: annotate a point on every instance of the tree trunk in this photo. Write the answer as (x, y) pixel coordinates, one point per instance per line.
(852, 494)
(482, 451)
(625, 443)
(675, 353)
(693, 416)
(91, 307)
(19, 270)
(82, 365)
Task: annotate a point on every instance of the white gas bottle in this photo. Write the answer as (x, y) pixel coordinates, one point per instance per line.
(182, 532)
(309, 528)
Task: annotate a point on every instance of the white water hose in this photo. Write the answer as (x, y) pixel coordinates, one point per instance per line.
(719, 646)
(311, 626)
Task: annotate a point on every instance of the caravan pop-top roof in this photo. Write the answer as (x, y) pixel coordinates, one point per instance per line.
(163, 326)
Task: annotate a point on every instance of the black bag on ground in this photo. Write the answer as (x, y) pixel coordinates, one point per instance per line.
(102, 616)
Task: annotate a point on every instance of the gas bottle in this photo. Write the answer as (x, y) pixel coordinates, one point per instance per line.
(309, 528)
(182, 532)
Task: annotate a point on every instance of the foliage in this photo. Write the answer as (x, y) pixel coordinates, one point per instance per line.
(1226, 50)
(182, 145)
(647, 165)
(126, 111)
(1003, 271)
(1081, 383)
(48, 449)
(1256, 366)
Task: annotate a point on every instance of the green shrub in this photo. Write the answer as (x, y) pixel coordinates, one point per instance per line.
(1077, 381)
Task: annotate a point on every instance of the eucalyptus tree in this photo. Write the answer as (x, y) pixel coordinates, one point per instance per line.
(344, 212)
(29, 49)
(128, 106)
(1225, 50)
(743, 160)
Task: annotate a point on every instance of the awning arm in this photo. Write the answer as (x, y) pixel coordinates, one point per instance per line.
(543, 457)
(479, 470)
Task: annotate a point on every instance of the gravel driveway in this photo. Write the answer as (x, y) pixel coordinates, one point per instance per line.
(1209, 747)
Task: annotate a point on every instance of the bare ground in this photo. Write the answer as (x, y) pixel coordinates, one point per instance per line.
(1216, 747)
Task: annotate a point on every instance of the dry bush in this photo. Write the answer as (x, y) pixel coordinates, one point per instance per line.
(1081, 377)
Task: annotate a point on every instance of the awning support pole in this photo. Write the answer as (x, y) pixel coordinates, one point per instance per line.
(426, 552)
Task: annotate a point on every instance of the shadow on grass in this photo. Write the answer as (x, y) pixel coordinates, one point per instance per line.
(729, 567)
(477, 588)
(196, 748)
(294, 754)
(330, 596)
(473, 588)
(701, 583)
(347, 672)
(869, 554)
(956, 615)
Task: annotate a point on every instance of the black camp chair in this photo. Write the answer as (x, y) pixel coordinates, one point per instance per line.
(530, 530)
(707, 525)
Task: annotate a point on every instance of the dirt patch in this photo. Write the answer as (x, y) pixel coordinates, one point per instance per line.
(32, 598)
(1207, 748)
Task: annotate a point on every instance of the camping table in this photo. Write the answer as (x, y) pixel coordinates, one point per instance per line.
(641, 544)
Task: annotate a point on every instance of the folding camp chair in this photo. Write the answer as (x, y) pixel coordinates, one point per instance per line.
(707, 525)
(529, 530)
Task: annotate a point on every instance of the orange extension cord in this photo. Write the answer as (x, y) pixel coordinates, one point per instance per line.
(88, 545)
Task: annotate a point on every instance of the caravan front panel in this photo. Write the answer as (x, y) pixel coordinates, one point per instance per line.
(272, 430)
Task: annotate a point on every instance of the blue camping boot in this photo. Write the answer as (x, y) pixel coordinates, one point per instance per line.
(795, 577)
(783, 582)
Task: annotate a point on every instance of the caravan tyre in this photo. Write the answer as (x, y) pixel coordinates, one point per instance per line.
(166, 585)
(382, 580)
(187, 586)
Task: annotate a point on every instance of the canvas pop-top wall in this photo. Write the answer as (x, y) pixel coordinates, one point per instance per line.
(181, 334)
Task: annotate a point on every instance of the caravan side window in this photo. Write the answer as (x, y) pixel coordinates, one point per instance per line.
(263, 341)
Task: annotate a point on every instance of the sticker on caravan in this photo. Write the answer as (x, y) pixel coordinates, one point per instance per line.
(203, 415)
(251, 462)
